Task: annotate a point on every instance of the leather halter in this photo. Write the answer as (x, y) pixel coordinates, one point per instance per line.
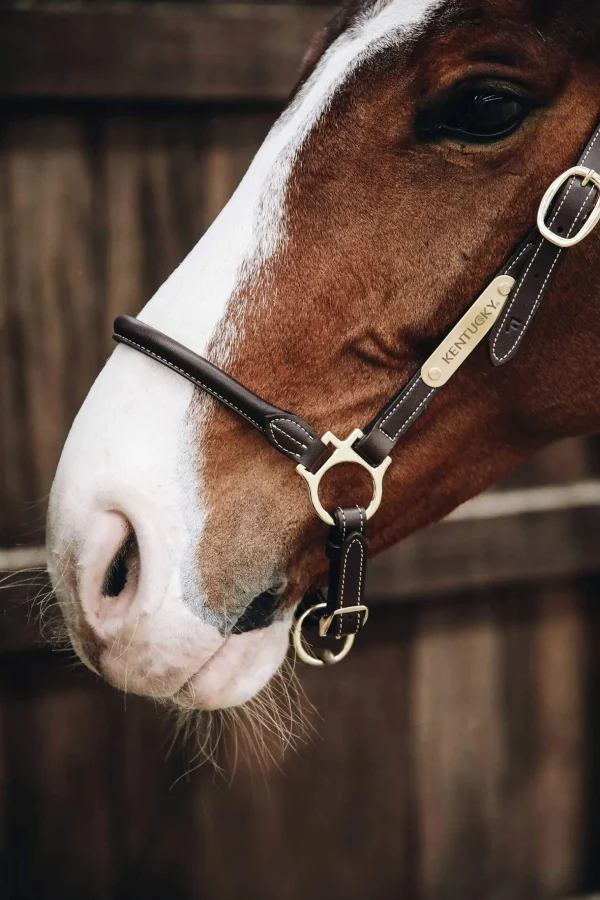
(569, 211)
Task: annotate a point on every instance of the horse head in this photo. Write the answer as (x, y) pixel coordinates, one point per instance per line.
(409, 163)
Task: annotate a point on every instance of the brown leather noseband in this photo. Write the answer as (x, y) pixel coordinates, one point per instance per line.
(505, 310)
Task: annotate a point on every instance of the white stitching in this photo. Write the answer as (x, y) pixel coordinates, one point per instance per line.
(571, 186)
(541, 291)
(293, 422)
(362, 525)
(210, 390)
(344, 572)
(540, 295)
(582, 207)
(285, 449)
(416, 384)
(532, 312)
(515, 261)
(411, 417)
(288, 436)
(400, 401)
(360, 577)
(512, 303)
(354, 540)
(274, 427)
(187, 375)
(504, 317)
(360, 512)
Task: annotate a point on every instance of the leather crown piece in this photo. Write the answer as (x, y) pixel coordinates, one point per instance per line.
(569, 211)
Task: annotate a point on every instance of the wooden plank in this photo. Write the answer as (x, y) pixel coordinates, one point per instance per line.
(29, 619)
(49, 297)
(560, 785)
(4, 790)
(164, 181)
(516, 851)
(213, 52)
(459, 556)
(95, 212)
(500, 745)
(457, 749)
(58, 797)
(446, 762)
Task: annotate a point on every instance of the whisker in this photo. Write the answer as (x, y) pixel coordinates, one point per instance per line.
(274, 722)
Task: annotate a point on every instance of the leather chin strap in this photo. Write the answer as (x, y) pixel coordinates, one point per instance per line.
(569, 211)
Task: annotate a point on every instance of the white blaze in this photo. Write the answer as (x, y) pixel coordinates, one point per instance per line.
(129, 447)
(251, 228)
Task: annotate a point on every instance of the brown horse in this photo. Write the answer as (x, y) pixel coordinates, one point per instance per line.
(409, 163)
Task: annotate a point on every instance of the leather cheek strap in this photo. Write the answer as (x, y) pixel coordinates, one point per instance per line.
(386, 430)
(388, 427)
(533, 266)
(287, 433)
(571, 209)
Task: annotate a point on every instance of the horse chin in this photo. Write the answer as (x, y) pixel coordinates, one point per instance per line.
(238, 670)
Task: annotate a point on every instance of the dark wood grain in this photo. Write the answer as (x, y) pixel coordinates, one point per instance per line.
(455, 752)
(560, 649)
(456, 556)
(57, 744)
(205, 52)
(95, 212)
(444, 763)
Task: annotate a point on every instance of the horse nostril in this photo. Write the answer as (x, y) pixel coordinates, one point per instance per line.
(260, 613)
(123, 569)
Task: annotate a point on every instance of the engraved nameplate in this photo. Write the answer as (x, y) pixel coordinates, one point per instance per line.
(469, 332)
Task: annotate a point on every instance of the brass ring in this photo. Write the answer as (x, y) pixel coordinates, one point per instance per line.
(344, 452)
(329, 658)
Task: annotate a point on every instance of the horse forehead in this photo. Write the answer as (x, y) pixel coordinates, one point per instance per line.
(364, 25)
(251, 228)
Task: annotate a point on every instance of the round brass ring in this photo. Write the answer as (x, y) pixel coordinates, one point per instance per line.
(309, 658)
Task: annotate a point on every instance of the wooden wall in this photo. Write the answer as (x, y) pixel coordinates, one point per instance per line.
(455, 753)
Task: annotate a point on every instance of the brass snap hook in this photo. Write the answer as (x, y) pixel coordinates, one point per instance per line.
(327, 657)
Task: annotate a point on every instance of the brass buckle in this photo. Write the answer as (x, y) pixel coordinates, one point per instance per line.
(328, 658)
(325, 622)
(344, 453)
(549, 197)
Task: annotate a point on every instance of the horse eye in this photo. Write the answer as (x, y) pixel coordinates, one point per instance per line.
(476, 115)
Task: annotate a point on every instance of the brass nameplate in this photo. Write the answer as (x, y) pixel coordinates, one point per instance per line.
(469, 332)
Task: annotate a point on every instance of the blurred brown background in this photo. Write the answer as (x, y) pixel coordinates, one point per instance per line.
(456, 756)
